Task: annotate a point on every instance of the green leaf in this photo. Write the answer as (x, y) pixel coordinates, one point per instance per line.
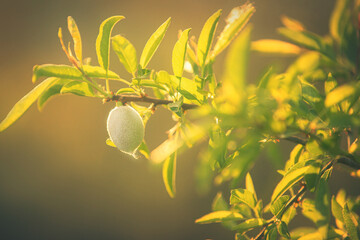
(322, 205)
(219, 203)
(330, 84)
(169, 173)
(308, 40)
(310, 94)
(242, 196)
(250, 185)
(235, 22)
(53, 90)
(337, 19)
(250, 224)
(179, 53)
(206, 37)
(288, 181)
(312, 175)
(153, 43)
(103, 41)
(69, 72)
(283, 230)
(339, 94)
(126, 53)
(125, 91)
(350, 223)
(21, 106)
(219, 216)
(336, 209)
(273, 46)
(278, 205)
(75, 34)
(235, 72)
(144, 150)
(78, 88)
(188, 95)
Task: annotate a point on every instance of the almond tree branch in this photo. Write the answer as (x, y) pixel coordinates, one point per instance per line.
(135, 98)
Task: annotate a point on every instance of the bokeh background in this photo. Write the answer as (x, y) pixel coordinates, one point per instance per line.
(58, 179)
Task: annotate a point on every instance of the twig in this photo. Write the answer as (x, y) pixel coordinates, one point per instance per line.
(146, 99)
(295, 139)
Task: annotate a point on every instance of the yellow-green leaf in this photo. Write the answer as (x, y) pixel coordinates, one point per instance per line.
(110, 143)
(70, 72)
(51, 91)
(288, 181)
(153, 43)
(126, 53)
(351, 224)
(250, 185)
(21, 106)
(278, 205)
(219, 216)
(75, 34)
(337, 19)
(78, 88)
(169, 174)
(250, 224)
(339, 94)
(103, 41)
(179, 53)
(206, 37)
(235, 22)
(273, 46)
(242, 196)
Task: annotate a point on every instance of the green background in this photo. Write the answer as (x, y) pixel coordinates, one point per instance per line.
(58, 179)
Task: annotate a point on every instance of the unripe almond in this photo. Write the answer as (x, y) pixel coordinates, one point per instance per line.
(126, 129)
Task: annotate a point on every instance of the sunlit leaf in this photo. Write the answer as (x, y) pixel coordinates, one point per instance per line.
(125, 91)
(235, 22)
(53, 90)
(292, 24)
(188, 95)
(336, 210)
(169, 174)
(288, 181)
(126, 53)
(250, 224)
(103, 41)
(322, 205)
(75, 34)
(21, 106)
(219, 203)
(144, 150)
(273, 46)
(277, 206)
(179, 53)
(339, 94)
(312, 176)
(242, 196)
(78, 88)
(330, 84)
(219, 216)
(69, 72)
(351, 224)
(206, 37)
(153, 43)
(250, 185)
(235, 72)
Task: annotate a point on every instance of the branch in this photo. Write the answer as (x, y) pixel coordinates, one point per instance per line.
(146, 99)
(295, 139)
(348, 162)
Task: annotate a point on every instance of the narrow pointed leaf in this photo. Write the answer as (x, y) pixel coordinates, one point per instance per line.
(110, 143)
(339, 94)
(153, 43)
(179, 53)
(283, 230)
(206, 37)
(336, 209)
(126, 53)
(21, 106)
(235, 22)
(75, 34)
(78, 88)
(273, 46)
(70, 72)
(330, 84)
(169, 174)
(103, 41)
(288, 181)
(278, 205)
(250, 224)
(242, 196)
(250, 185)
(351, 224)
(337, 19)
(53, 90)
(219, 216)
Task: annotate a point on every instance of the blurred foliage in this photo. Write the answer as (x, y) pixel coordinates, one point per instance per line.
(314, 104)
